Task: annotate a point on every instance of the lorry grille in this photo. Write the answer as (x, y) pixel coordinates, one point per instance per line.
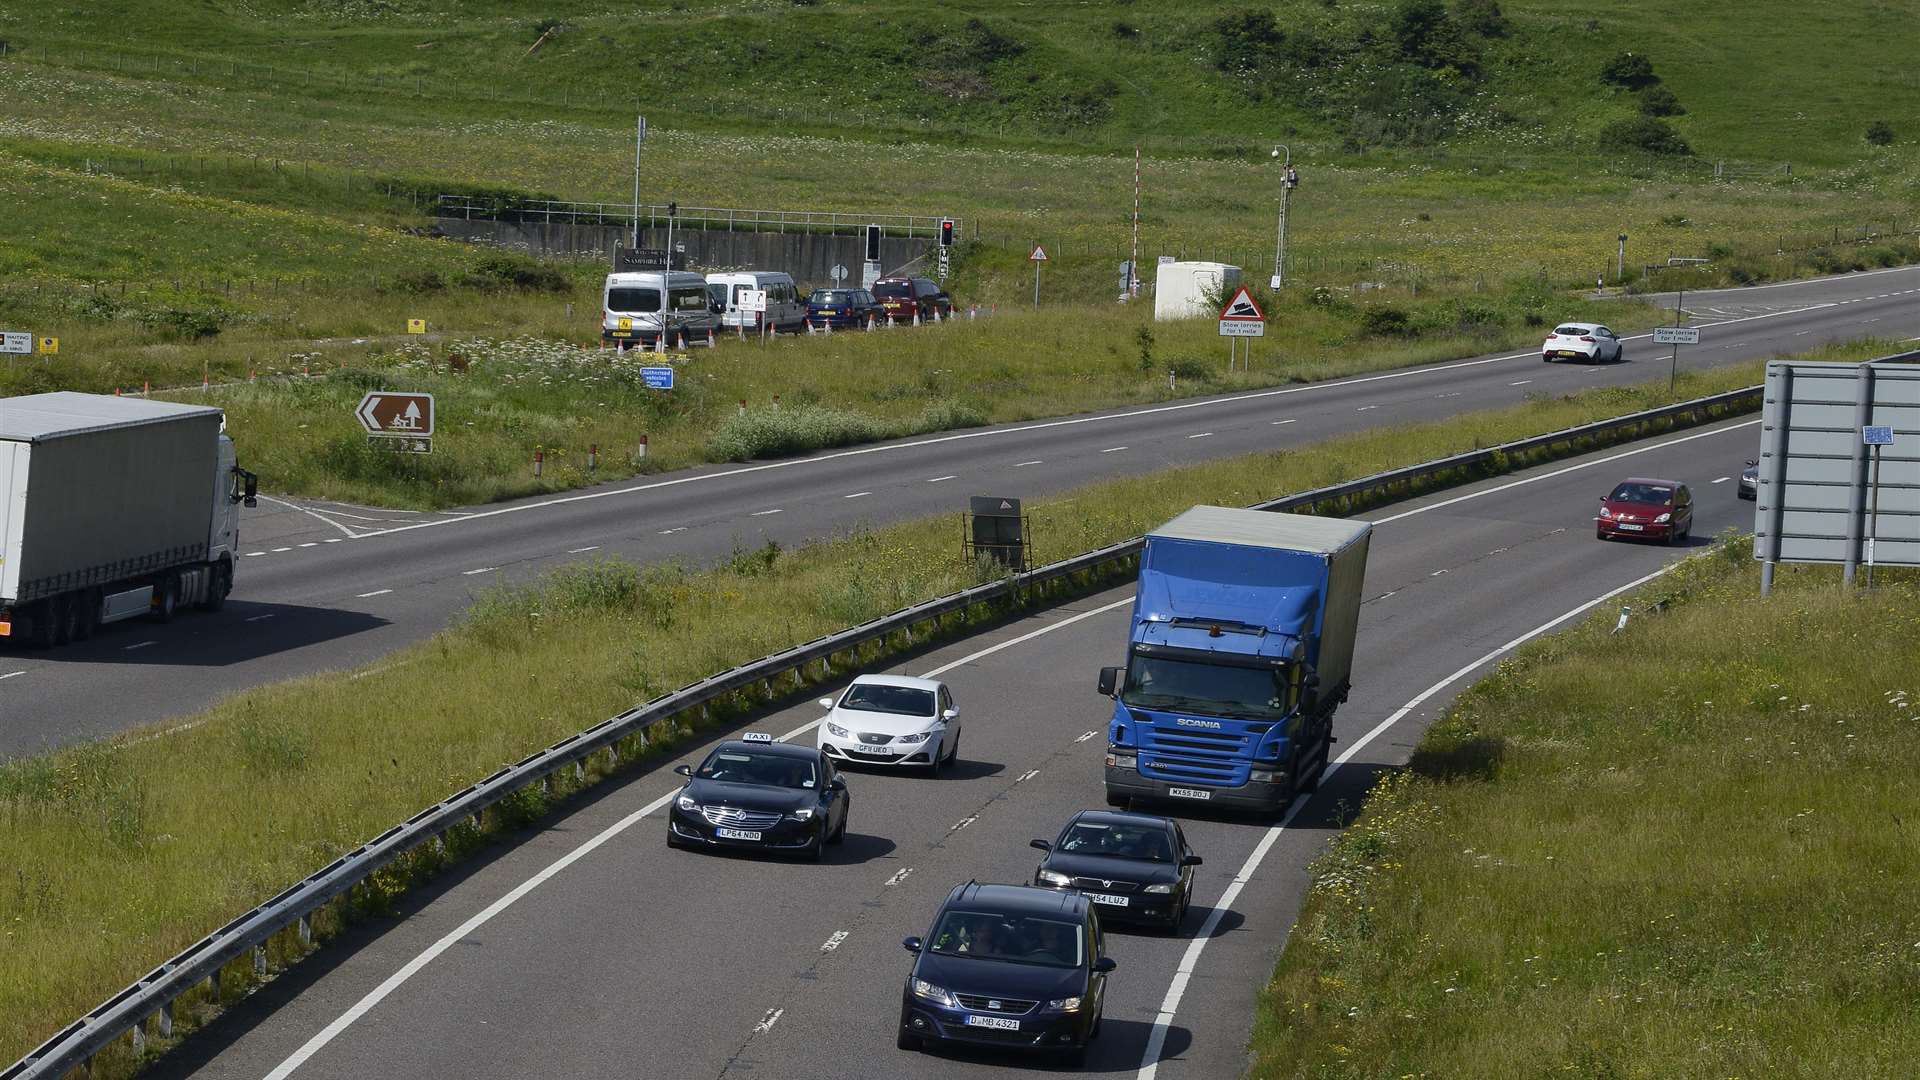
(1224, 773)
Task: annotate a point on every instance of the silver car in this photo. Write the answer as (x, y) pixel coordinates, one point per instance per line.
(1582, 341)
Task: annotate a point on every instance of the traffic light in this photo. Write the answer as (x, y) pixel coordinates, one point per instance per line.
(946, 232)
(873, 243)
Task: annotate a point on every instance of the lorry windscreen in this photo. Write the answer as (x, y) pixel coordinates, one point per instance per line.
(1240, 693)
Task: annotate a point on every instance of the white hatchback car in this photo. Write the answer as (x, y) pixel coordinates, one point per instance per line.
(1582, 341)
(893, 720)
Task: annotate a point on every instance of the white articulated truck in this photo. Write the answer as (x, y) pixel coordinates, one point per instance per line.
(112, 508)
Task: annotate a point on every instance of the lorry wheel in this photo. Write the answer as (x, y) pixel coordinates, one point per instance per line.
(73, 609)
(89, 614)
(40, 617)
(219, 587)
(166, 599)
(59, 616)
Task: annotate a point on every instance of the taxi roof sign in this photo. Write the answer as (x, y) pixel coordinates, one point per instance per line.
(756, 736)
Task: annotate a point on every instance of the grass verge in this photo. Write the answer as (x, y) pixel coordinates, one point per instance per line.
(120, 853)
(1683, 850)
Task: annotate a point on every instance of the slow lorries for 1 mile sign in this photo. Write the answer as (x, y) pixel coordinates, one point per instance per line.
(391, 412)
(1242, 317)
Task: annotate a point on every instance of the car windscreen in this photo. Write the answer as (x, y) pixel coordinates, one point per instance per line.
(898, 290)
(831, 297)
(1650, 494)
(1020, 939)
(753, 767)
(1569, 331)
(1148, 842)
(645, 301)
(904, 700)
(1241, 693)
(690, 298)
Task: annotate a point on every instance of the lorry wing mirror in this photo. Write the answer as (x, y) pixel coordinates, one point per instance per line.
(1109, 676)
(250, 495)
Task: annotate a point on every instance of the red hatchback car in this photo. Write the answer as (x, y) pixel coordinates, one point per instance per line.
(1641, 508)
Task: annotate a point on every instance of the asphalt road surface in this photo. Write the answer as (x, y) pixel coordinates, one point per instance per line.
(324, 586)
(589, 949)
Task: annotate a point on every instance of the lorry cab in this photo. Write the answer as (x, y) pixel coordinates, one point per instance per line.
(636, 307)
(786, 309)
(1239, 652)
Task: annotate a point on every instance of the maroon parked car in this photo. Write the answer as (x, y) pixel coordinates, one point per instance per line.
(1641, 508)
(902, 296)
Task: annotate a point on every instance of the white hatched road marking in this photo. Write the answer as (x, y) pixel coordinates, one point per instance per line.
(833, 942)
(1028, 775)
(964, 822)
(1091, 734)
(766, 1022)
(899, 876)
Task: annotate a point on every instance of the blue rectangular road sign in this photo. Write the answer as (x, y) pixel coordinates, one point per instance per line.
(658, 378)
(1879, 435)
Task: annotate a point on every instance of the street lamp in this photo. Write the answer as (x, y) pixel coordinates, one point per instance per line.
(1288, 181)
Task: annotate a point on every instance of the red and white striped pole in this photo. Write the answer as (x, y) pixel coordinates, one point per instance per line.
(1133, 260)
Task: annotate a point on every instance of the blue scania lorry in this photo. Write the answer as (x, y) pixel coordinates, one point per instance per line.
(1239, 650)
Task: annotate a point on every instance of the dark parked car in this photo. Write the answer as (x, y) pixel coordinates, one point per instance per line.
(1134, 867)
(1641, 508)
(759, 794)
(1007, 966)
(844, 309)
(902, 296)
(1750, 481)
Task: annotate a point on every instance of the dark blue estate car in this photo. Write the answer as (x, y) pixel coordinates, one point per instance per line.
(759, 794)
(1007, 966)
(844, 309)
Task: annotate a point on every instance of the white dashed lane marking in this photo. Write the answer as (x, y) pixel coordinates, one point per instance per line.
(764, 513)
(1202, 435)
(1113, 449)
(857, 495)
(376, 592)
(581, 551)
(1024, 464)
(482, 570)
(937, 479)
(139, 645)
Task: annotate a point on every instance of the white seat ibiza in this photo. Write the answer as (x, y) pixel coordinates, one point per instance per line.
(893, 720)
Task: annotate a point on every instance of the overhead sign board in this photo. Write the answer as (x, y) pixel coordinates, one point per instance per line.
(1676, 335)
(657, 378)
(389, 412)
(1818, 500)
(1039, 254)
(11, 342)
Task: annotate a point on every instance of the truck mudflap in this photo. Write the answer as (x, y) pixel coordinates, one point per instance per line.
(1266, 797)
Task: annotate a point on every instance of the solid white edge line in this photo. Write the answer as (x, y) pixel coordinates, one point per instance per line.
(1043, 425)
(412, 967)
(1190, 959)
(351, 535)
(1149, 1061)
(1568, 469)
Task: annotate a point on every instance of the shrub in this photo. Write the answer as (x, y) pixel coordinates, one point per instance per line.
(1644, 134)
(417, 282)
(1482, 17)
(1429, 37)
(1630, 70)
(1660, 101)
(773, 432)
(1385, 322)
(1192, 370)
(1880, 133)
(1245, 41)
(504, 271)
(1125, 31)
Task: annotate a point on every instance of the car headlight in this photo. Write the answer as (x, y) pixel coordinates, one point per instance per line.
(1606, 513)
(1065, 1004)
(1054, 877)
(836, 731)
(1162, 889)
(916, 737)
(1663, 518)
(686, 803)
(1121, 761)
(924, 989)
(805, 813)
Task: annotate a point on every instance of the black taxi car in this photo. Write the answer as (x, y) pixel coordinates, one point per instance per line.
(763, 795)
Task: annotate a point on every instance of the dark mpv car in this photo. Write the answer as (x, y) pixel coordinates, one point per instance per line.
(1136, 868)
(1007, 966)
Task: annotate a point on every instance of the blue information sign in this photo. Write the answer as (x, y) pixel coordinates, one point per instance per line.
(658, 378)
(1880, 435)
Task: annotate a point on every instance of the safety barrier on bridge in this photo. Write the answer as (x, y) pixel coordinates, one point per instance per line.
(150, 999)
(720, 218)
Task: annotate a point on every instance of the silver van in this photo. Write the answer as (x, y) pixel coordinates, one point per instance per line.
(636, 307)
(786, 307)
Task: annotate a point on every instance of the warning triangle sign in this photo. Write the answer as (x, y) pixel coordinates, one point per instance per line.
(1242, 309)
(1039, 254)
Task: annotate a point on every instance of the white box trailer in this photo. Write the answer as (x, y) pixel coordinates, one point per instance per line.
(112, 507)
(1192, 290)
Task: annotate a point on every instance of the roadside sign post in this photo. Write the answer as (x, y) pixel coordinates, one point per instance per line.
(838, 274)
(1877, 437)
(1675, 336)
(1242, 318)
(657, 378)
(755, 300)
(639, 136)
(15, 344)
(1039, 256)
(397, 420)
